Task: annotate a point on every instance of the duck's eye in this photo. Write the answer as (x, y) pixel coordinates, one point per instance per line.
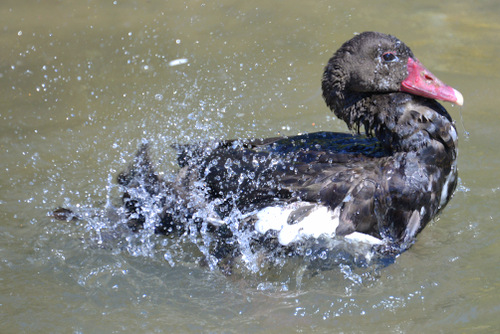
(389, 56)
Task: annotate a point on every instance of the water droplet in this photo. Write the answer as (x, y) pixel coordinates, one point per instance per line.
(177, 62)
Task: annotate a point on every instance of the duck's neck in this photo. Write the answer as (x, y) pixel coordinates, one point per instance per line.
(402, 122)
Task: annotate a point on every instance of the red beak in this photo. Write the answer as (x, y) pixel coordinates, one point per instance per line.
(421, 81)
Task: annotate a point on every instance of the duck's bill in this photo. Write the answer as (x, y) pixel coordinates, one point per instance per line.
(421, 81)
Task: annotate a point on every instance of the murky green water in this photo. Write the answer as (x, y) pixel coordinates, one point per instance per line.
(82, 83)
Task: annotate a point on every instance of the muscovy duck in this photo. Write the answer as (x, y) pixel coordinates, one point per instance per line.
(379, 188)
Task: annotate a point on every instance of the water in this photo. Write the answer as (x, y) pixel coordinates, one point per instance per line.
(83, 84)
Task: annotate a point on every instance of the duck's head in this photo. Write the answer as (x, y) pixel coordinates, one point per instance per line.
(375, 63)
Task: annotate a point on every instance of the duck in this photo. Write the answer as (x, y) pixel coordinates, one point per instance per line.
(378, 185)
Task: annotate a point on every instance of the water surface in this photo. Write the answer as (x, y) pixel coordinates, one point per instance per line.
(84, 83)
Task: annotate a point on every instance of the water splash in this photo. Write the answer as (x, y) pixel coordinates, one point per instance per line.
(466, 133)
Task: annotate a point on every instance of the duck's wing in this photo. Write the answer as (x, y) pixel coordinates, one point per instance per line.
(327, 168)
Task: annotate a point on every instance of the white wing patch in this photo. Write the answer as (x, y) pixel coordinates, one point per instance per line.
(302, 220)
(364, 238)
(449, 178)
